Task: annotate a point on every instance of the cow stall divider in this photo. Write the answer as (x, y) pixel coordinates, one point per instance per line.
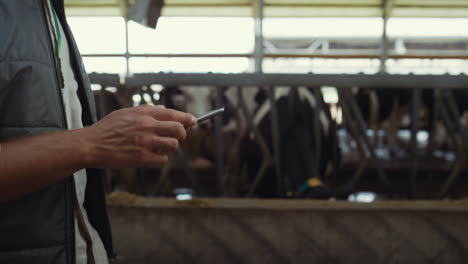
(445, 108)
(357, 127)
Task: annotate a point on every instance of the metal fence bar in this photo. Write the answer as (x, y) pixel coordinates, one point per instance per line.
(317, 131)
(311, 80)
(291, 55)
(451, 115)
(276, 142)
(416, 102)
(218, 123)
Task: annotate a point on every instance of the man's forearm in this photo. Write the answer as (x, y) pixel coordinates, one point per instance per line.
(130, 137)
(28, 164)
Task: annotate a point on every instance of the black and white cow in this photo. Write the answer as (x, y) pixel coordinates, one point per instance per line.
(298, 157)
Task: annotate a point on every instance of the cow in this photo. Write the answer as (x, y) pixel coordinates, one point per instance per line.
(298, 156)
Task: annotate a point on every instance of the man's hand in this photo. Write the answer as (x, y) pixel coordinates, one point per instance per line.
(131, 137)
(135, 137)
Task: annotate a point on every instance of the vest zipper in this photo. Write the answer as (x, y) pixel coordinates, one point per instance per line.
(69, 182)
(76, 212)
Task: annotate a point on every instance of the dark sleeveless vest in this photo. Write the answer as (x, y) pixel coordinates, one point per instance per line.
(39, 228)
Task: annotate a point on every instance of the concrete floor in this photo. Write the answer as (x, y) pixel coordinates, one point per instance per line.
(288, 231)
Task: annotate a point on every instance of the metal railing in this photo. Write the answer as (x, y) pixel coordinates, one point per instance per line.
(353, 123)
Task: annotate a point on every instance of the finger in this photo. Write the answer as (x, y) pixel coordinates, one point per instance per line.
(170, 129)
(164, 145)
(156, 144)
(165, 114)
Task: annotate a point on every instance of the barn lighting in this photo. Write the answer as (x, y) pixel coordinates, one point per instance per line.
(330, 94)
(136, 98)
(147, 98)
(183, 193)
(146, 12)
(362, 197)
(156, 96)
(184, 197)
(111, 89)
(95, 87)
(156, 88)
